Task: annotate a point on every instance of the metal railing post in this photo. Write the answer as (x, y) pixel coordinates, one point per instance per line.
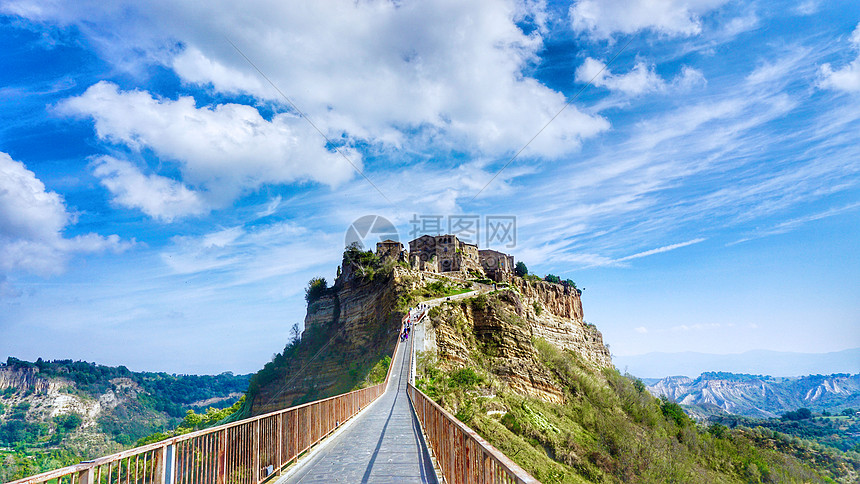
(255, 435)
(167, 465)
(87, 476)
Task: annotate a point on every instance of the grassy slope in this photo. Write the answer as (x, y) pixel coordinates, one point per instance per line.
(611, 430)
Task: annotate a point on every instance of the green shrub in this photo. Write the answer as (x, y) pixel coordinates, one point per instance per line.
(479, 303)
(465, 377)
(317, 287)
(674, 411)
(379, 370)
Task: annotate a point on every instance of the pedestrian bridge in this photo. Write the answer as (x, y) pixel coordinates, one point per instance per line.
(388, 433)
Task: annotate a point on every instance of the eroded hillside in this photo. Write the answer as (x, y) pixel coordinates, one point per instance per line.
(55, 413)
(520, 367)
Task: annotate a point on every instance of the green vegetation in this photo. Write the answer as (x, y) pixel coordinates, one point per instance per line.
(839, 432)
(195, 421)
(17, 431)
(20, 462)
(431, 290)
(170, 394)
(610, 429)
(479, 302)
(313, 337)
(364, 263)
(799, 414)
(379, 371)
(520, 269)
(317, 287)
(148, 402)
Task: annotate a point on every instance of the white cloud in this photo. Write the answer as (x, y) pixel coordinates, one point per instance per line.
(792, 224)
(641, 79)
(240, 255)
(808, 7)
(697, 327)
(223, 150)
(157, 196)
(602, 18)
(377, 71)
(847, 78)
(32, 220)
(641, 330)
(271, 207)
(619, 200)
(660, 250)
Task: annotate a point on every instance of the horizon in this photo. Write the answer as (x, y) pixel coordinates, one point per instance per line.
(164, 197)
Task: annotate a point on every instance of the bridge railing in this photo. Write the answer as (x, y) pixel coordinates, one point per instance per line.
(243, 452)
(462, 455)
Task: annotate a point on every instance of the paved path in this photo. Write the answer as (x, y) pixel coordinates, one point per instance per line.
(383, 444)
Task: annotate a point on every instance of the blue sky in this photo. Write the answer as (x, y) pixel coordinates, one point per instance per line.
(162, 205)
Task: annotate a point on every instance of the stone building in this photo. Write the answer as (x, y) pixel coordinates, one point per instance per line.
(444, 253)
(389, 249)
(497, 265)
(447, 253)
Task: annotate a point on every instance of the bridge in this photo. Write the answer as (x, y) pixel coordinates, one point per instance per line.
(387, 433)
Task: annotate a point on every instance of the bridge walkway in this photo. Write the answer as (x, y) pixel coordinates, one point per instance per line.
(383, 444)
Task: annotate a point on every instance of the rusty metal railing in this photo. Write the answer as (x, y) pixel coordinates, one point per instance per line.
(462, 455)
(243, 452)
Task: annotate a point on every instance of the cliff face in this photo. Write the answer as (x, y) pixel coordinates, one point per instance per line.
(347, 330)
(502, 326)
(555, 313)
(355, 323)
(24, 379)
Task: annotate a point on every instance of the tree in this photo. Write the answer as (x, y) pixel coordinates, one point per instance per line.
(316, 289)
(552, 278)
(799, 414)
(521, 269)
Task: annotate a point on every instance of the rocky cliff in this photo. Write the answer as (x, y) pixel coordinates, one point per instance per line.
(503, 325)
(24, 379)
(352, 325)
(348, 329)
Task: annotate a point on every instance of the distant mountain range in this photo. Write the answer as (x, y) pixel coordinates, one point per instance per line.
(760, 396)
(756, 362)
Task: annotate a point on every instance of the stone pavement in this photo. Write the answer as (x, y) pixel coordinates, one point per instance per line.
(383, 444)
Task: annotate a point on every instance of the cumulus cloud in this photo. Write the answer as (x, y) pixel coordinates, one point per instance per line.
(641, 79)
(848, 77)
(602, 18)
(223, 150)
(377, 71)
(32, 220)
(157, 196)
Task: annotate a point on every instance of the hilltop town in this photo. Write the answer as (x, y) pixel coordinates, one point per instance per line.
(450, 256)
